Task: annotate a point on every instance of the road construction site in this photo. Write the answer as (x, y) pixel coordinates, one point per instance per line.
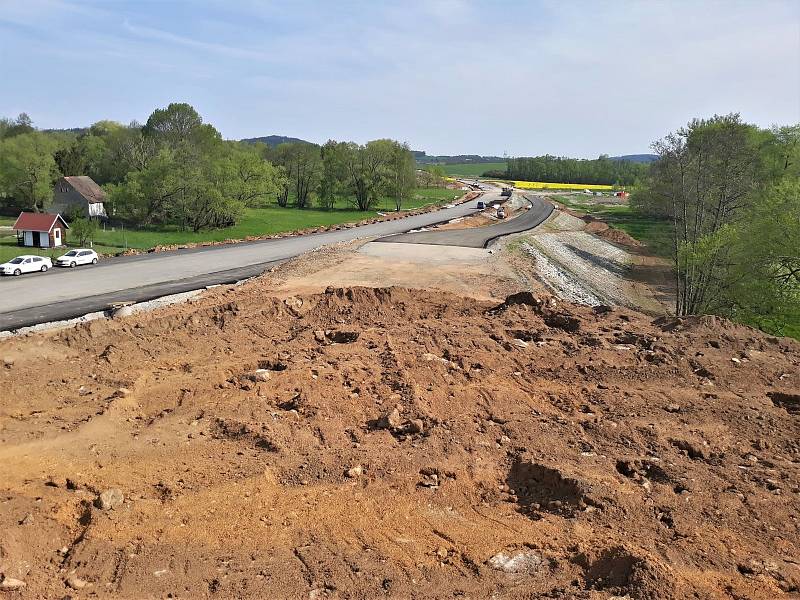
(404, 420)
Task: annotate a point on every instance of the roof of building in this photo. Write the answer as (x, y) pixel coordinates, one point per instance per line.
(37, 222)
(87, 188)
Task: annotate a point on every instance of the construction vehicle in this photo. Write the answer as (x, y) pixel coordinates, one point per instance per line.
(501, 213)
(506, 191)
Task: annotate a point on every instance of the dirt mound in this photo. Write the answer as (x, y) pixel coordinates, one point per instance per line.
(385, 442)
(612, 234)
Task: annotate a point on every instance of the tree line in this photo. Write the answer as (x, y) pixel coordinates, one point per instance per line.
(556, 169)
(175, 169)
(731, 193)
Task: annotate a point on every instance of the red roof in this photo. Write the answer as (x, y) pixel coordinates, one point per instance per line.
(37, 222)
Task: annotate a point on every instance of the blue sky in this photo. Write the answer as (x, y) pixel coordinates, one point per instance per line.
(570, 78)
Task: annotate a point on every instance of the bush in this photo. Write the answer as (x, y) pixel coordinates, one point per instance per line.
(83, 230)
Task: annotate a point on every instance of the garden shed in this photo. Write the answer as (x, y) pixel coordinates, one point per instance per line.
(40, 230)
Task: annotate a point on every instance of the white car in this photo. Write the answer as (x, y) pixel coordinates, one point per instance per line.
(26, 263)
(79, 256)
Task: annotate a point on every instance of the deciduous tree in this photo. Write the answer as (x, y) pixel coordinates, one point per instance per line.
(28, 170)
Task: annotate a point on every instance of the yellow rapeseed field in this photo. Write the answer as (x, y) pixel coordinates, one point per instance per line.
(541, 185)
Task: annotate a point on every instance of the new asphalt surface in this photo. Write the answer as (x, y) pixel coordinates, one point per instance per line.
(479, 237)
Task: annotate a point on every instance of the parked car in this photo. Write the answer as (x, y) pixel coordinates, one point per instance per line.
(79, 256)
(481, 205)
(26, 264)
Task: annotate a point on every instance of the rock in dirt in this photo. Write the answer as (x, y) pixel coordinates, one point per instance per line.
(122, 312)
(8, 362)
(122, 393)
(260, 375)
(563, 321)
(415, 426)
(9, 584)
(110, 499)
(342, 337)
(76, 583)
(390, 420)
(520, 562)
(356, 471)
(789, 402)
(673, 408)
(319, 335)
(520, 298)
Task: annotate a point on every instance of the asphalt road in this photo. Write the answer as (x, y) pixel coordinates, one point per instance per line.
(480, 237)
(68, 293)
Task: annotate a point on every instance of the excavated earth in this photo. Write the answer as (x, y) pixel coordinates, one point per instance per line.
(366, 443)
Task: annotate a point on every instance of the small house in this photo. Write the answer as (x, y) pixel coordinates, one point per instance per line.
(79, 196)
(40, 230)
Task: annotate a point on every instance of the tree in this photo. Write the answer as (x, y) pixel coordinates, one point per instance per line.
(366, 169)
(402, 174)
(144, 195)
(366, 172)
(28, 170)
(22, 124)
(765, 289)
(196, 189)
(333, 177)
(303, 164)
(128, 150)
(704, 179)
(730, 192)
(556, 169)
(83, 156)
(249, 178)
(172, 125)
(83, 230)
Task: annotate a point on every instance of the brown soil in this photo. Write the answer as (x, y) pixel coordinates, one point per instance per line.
(363, 443)
(469, 272)
(612, 234)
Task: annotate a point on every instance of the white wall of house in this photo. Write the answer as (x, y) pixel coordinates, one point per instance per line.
(96, 209)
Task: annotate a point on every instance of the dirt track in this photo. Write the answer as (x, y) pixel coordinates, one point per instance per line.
(399, 443)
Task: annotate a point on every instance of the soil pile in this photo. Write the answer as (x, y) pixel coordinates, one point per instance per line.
(612, 234)
(365, 443)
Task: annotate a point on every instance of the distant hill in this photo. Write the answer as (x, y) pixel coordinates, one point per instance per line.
(274, 140)
(637, 158)
(460, 159)
(424, 159)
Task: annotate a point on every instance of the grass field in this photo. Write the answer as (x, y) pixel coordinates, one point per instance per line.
(255, 222)
(473, 169)
(653, 232)
(792, 327)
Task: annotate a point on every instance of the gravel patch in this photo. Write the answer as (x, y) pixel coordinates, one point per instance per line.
(582, 268)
